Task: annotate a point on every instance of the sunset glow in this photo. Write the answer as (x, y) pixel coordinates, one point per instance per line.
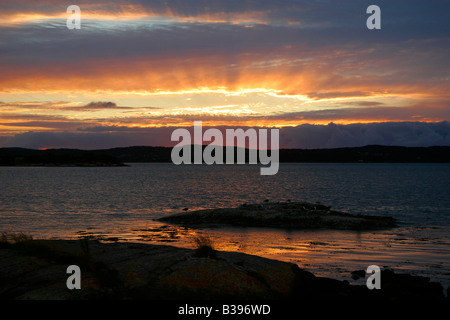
(143, 65)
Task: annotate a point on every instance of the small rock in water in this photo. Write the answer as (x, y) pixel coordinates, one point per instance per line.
(358, 274)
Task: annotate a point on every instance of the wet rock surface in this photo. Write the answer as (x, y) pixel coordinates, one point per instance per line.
(292, 215)
(141, 271)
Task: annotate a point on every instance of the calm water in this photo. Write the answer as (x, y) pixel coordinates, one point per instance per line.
(122, 203)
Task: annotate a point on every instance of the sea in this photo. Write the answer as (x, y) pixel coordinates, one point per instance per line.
(121, 204)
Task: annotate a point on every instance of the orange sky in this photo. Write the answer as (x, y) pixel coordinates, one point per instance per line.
(135, 64)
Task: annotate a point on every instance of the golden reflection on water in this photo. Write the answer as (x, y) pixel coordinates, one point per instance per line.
(331, 253)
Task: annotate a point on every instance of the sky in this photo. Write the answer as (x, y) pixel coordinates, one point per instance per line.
(137, 70)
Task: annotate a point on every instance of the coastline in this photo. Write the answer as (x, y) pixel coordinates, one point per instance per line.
(36, 270)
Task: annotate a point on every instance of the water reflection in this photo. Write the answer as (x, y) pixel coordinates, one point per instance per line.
(118, 204)
(325, 253)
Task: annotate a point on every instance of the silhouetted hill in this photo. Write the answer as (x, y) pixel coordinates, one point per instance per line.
(140, 154)
(55, 157)
(372, 153)
(357, 154)
(118, 156)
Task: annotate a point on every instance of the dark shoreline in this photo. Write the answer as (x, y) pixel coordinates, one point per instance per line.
(36, 270)
(147, 154)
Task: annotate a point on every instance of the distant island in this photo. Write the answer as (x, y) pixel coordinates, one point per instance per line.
(56, 158)
(120, 156)
(289, 215)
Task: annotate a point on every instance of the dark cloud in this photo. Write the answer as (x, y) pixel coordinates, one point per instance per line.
(101, 105)
(336, 94)
(95, 106)
(323, 23)
(365, 103)
(4, 140)
(90, 140)
(325, 11)
(408, 134)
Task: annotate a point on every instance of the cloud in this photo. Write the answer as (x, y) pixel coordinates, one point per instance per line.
(410, 134)
(365, 103)
(373, 112)
(366, 112)
(329, 54)
(138, 119)
(313, 13)
(64, 106)
(88, 141)
(313, 57)
(96, 106)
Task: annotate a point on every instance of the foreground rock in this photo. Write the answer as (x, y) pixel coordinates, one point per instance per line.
(37, 270)
(295, 215)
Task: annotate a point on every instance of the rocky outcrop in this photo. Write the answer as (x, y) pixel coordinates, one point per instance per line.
(37, 270)
(137, 271)
(293, 215)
